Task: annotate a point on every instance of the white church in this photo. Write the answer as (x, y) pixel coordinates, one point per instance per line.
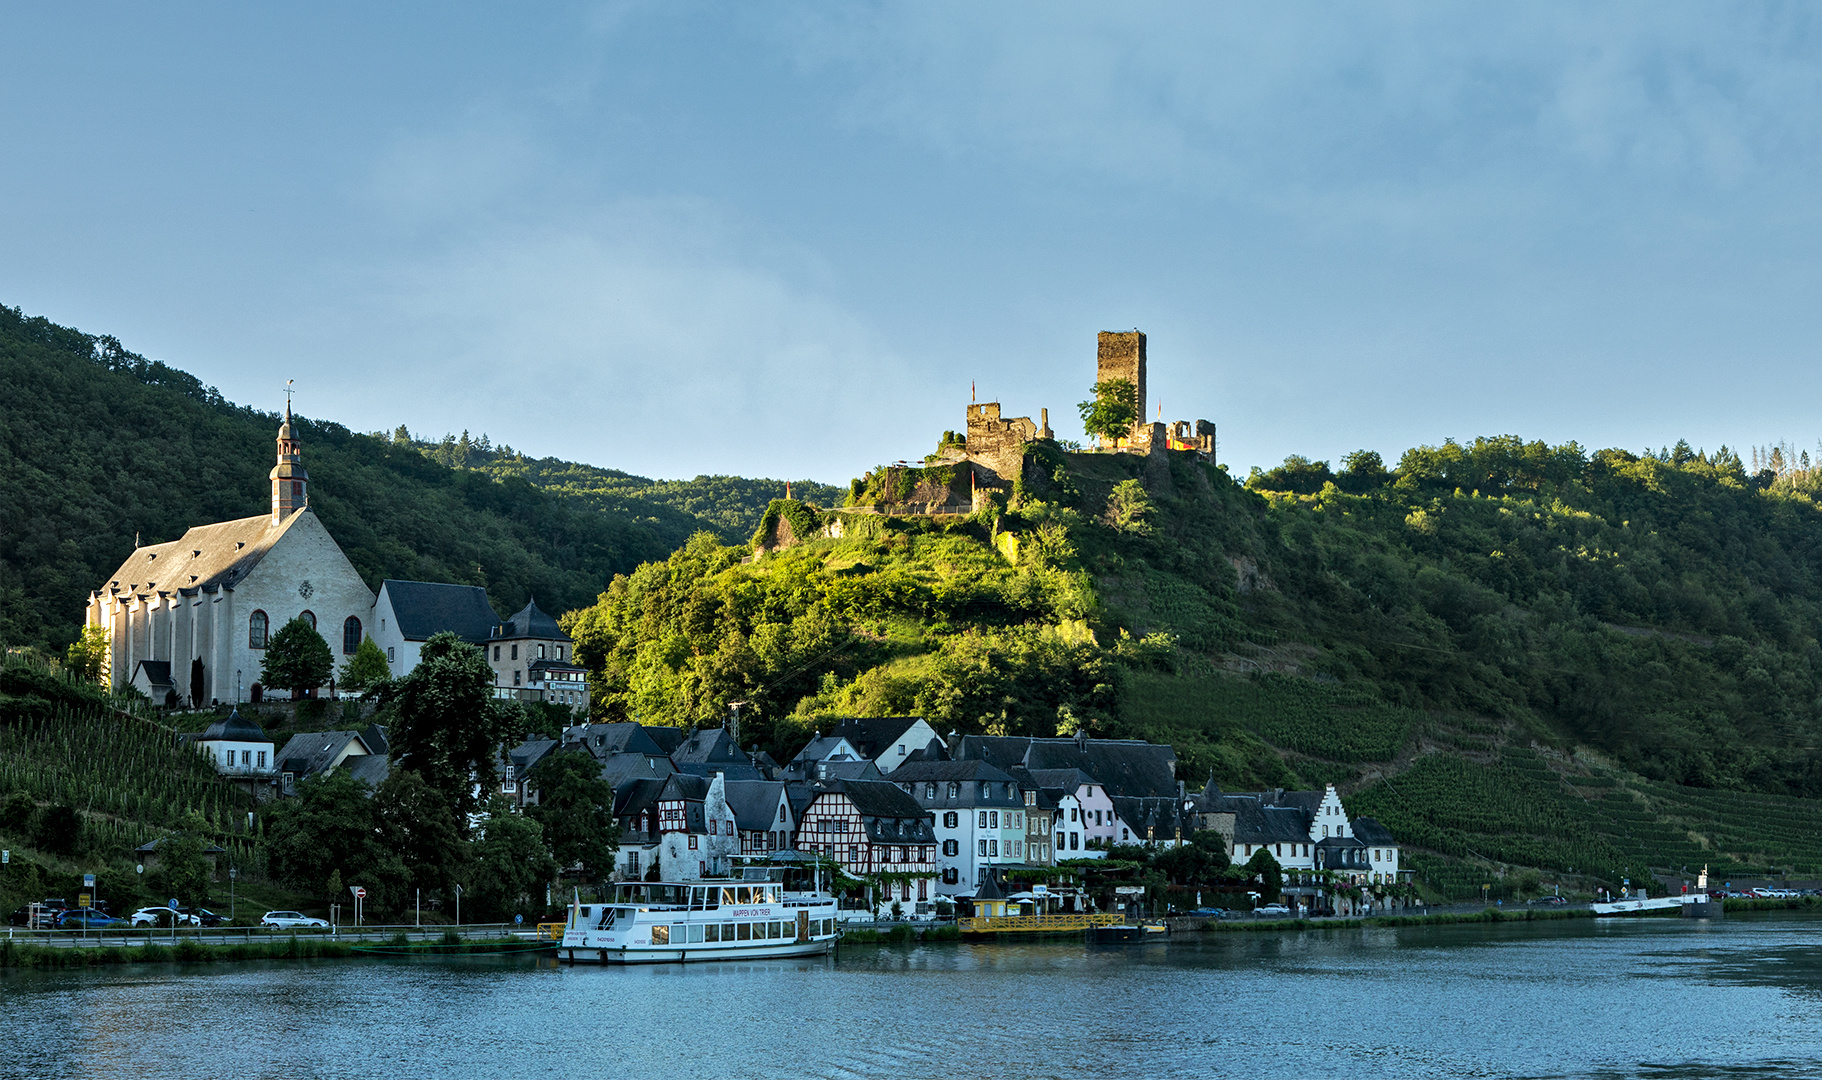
(188, 621)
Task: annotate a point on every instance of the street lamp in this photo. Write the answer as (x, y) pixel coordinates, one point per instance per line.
(233, 872)
(458, 892)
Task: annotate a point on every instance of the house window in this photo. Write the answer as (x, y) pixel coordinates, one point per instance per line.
(986, 790)
(496, 652)
(993, 820)
(954, 789)
(389, 656)
(983, 847)
(950, 821)
(540, 652)
(257, 625)
(308, 616)
(923, 888)
(351, 635)
(559, 652)
(692, 841)
(1075, 841)
(262, 759)
(1280, 850)
(246, 757)
(930, 791)
(515, 652)
(515, 676)
(993, 848)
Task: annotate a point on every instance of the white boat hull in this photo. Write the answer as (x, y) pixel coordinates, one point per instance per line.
(692, 953)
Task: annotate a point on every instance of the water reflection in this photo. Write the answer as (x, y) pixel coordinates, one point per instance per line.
(1661, 998)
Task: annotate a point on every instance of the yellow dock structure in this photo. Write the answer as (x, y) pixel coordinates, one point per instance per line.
(1059, 922)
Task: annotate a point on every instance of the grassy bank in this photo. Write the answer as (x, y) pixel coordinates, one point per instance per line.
(25, 955)
(1794, 903)
(901, 935)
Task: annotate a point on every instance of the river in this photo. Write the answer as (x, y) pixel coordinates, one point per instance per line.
(1657, 997)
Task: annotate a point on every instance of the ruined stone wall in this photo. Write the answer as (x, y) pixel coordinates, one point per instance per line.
(998, 443)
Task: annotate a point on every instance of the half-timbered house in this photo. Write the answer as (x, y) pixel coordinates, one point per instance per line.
(875, 831)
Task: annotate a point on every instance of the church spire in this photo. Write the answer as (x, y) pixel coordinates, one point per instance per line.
(288, 476)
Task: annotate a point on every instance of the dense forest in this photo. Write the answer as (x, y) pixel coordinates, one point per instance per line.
(99, 445)
(1507, 650)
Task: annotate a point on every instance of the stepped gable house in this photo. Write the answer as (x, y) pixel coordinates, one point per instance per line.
(207, 603)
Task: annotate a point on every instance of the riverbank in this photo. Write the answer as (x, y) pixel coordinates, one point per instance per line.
(16, 954)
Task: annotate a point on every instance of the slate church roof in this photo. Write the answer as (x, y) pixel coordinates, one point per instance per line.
(424, 608)
(205, 557)
(234, 728)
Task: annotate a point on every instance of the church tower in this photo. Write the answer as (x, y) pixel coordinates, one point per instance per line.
(288, 476)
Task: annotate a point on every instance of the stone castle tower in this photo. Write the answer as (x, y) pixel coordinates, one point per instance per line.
(1122, 356)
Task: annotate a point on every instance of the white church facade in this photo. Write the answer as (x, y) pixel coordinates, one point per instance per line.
(208, 602)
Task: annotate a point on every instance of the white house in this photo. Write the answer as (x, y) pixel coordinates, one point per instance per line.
(977, 815)
(238, 747)
(407, 613)
(698, 835)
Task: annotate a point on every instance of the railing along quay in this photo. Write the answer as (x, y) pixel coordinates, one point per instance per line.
(1027, 924)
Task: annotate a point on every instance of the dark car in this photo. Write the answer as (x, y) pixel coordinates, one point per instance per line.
(209, 918)
(84, 918)
(1550, 901)
(1207, 913)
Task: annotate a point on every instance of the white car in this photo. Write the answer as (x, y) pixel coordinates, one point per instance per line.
(1272, 909)
(161, 916)
(291, 920)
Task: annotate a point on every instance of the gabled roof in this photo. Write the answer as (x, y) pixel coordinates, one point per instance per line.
(312, 752)
(530, 622)
(878, 798)
(525, 756)
(925, 771)
(374, 735)
(619, 769)
(234, 728)
(157, 672)
(871, 736)
(835, 770)
(667, 737)
(686, 787)
(755, 803)
(829, 748)
(1266, 817)
(967, 775)
(1154, 819)
(424, 608)
(206, 557)
(713, 746)
(370, 769)
(605, 740)
(1129, 767)
(635, 795)
(1369, 831)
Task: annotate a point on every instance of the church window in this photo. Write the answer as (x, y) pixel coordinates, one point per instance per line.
(351, 635)
(309, 617)
(256, 630)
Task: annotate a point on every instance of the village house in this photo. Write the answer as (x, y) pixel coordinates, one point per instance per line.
(697, 833)
(406, 614)
(887, 742)
(1311, 837)
(317, 752)
(534, 660)
(977, 815)
(762, 813)
(873, 830)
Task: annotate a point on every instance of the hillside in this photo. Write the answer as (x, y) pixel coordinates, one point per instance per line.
(99, 445)
(1511, 653)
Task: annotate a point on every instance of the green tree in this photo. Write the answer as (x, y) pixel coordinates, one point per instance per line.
(366, 669)
(417, 823)
(1264, 869)
(445, 723)
(576, 808)
(330, 828)
(1298, 474)
(58, 829)
(296, 659)
(1362, 471)
(181, 867)
(87, 656)
(511, 864)
(1128, 507)
(1112, 411)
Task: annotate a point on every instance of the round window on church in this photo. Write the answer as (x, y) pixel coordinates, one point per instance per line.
(309, 617)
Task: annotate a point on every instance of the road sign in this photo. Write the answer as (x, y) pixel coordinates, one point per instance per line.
(359, 893)
(82, 899)
(6, 857)
(88, 881)
(518, 919)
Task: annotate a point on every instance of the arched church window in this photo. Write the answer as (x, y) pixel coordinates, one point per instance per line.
(351, 635)
(309, 617)
(256, 630)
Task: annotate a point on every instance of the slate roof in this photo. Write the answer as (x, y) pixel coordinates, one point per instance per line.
(423, 608)
(1266, 817)
(667, 737)
(311, 752)
(530, 622)
(1128, 767)
(879, 798)
(1370, 832)
(374, 735)
(871, 736)
(709, 747)
(636, 795)
(755, 804)
(371, 769)
(234, 728)
(801, 793)
(968, 774)
(604, 740)
(619, 769)
(205, 557)
(1155, 819)
(837, 770)
(157, 672)
(525, 756)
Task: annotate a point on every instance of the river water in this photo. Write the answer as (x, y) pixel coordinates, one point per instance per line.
(1657, 998)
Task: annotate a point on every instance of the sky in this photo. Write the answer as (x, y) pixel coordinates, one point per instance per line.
(788, 239)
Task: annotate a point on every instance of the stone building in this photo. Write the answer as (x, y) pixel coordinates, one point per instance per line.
(534, 660)
(208, 602)
(1121, 355)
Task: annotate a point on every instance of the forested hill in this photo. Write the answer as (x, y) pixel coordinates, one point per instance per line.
(1512, 653)
(99, 445)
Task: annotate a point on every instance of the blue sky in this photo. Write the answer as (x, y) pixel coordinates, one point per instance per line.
(784, 239)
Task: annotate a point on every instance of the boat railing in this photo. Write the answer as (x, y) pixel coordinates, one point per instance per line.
(1065, 920)
(552, 930)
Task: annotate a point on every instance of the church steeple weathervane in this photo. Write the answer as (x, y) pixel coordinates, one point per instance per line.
(288, 476)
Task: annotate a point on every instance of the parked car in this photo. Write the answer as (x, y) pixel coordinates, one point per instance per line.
(1550, 901)
(84, 918)
(290, 920)
(163, 916)
(1208, 913)
(1272, 910)
(208, 918)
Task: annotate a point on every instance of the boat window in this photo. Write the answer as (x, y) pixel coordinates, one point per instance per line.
(698, 899)
(696, 932)
(743, 931)
(727, 896)
(712, 932)
(727, 931)
(744, 894)
(661, 935)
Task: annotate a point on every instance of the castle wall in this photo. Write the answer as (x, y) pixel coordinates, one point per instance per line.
(1121, 355)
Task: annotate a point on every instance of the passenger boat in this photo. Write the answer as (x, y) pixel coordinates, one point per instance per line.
(666, 922)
